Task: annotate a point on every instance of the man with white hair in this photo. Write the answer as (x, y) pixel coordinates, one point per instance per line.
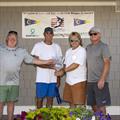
(98, 63)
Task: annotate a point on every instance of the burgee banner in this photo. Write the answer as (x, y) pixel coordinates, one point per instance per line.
(63, 23)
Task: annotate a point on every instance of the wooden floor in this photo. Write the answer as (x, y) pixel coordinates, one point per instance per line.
(114, 117)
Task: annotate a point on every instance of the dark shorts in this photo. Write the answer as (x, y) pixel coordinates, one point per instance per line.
(96, 96)
(45, 90)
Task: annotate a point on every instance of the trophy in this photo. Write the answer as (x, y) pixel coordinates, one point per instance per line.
(59, 61)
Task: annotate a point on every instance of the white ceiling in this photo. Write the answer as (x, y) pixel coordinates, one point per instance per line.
(10, 3)
(56, 0)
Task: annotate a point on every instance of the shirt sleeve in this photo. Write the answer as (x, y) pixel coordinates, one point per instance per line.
(35, 50)
(27, 57)
(106, 52)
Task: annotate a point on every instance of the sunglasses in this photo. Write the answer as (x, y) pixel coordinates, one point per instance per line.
(74, 40)
(91, 34)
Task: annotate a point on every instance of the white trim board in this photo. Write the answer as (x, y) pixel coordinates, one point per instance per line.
(92, 3)
(112, 110)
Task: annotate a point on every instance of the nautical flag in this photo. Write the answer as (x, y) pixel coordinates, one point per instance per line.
(30, 21)
(80, 22)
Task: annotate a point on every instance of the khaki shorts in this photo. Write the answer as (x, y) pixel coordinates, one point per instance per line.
(75, 94)
(9, 93)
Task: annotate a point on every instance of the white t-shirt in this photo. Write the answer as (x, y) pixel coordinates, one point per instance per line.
(45, 52)
(78, 56)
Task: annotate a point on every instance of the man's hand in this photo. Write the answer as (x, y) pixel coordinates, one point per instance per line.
(60, 72)
(101, 83)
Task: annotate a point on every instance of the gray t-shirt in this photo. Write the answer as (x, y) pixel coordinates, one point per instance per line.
(95, 62)
(11, 60)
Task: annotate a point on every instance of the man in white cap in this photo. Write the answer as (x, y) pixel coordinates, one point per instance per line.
(98, 63)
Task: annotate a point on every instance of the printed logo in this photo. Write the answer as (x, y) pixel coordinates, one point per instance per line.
(57, 22)
(32, 31)
(104, 101)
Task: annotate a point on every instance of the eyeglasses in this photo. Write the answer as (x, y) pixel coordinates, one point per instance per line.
(91, 34)
(74, 40)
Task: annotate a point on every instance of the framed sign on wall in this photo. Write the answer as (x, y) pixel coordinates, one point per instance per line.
(63, 23)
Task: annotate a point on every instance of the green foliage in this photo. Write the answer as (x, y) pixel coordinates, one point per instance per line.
(61, 113)
(81, 113)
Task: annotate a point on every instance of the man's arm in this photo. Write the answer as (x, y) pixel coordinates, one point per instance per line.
(104, 74)
(43, 63)
(39, 62)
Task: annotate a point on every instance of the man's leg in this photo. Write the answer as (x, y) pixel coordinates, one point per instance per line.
(39, 103)
(41, 90)
(50, 94)
(1, 109)
(95, 108)
(49, 103)
(102, 109)
(102, 98)
(10, 110)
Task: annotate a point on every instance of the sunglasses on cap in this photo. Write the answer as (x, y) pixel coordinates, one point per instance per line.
(91, 34)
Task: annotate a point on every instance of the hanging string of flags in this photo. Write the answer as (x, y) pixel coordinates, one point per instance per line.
(63, 23)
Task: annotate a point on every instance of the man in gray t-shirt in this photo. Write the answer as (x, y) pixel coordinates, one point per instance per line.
(98, 63)
(11, 58)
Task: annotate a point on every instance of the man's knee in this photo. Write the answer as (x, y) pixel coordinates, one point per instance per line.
(39, 102)
(49, 103)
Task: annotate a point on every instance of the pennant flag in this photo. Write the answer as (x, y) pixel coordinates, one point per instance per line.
(80, 22)
(30, 22)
